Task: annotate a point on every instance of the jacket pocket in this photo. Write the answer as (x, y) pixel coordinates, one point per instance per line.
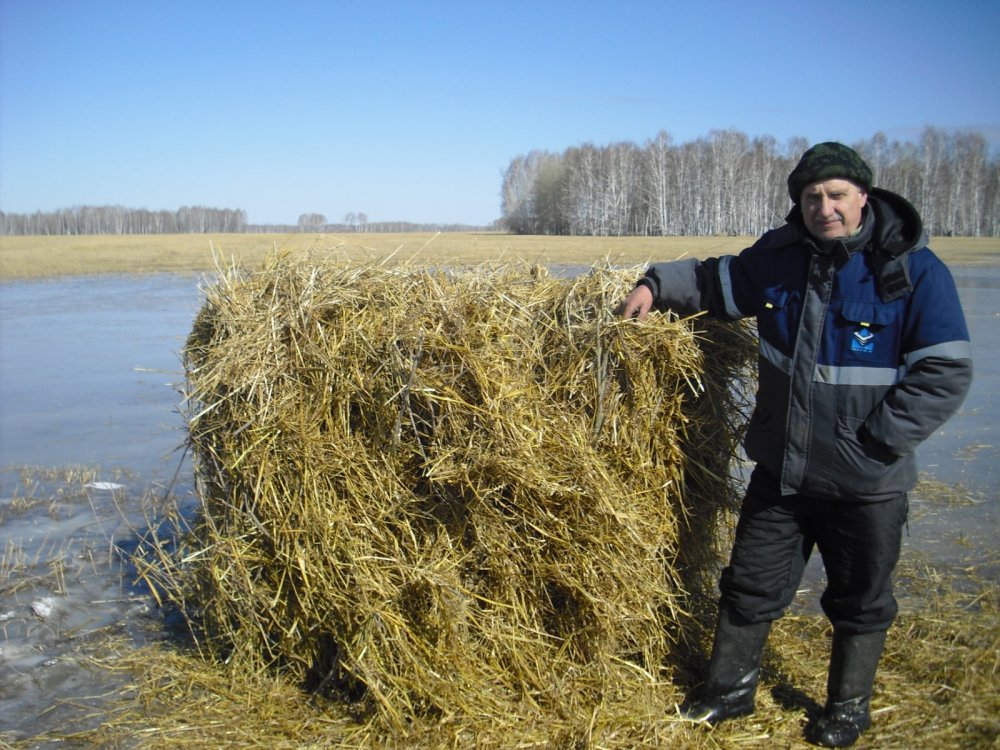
(864, 470)
(867, 333)
(777, 318)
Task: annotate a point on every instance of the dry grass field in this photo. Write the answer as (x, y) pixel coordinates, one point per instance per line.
(35, 257)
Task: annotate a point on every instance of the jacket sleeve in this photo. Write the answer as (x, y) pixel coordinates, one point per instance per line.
(692, 286)
(675, 286)
(930, 393)
(937, 360)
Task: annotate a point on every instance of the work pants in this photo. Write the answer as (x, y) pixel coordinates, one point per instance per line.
(775, 535)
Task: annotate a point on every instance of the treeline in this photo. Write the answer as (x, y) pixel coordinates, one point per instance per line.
(121, 220)
(194, 219)
(730, 184)
(358, 222)
(370, 227)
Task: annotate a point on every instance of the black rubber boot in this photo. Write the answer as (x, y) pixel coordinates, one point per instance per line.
(733, 672)
(853, 662)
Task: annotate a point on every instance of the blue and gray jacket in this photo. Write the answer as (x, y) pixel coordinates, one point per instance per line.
(864, 350)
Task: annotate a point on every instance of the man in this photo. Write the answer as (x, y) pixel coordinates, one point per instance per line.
(864, 353)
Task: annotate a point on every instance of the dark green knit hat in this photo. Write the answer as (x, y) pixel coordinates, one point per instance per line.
(828, 161)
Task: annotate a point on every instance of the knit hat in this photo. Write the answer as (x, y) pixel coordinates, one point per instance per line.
(828, 161)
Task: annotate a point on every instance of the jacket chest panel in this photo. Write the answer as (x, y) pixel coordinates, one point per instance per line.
(831, 316)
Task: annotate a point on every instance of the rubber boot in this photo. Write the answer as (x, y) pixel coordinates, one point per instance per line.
(853, 661)
(733, 672)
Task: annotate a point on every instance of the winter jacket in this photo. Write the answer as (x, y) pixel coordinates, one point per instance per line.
(864, 351)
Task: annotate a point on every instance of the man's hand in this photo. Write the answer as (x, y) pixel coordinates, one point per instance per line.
(638, 303)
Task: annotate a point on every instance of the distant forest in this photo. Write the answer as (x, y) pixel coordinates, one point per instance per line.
(723, 184)
(190, 220)
(730, 184)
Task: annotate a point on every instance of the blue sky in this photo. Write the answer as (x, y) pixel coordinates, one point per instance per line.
(412, 110)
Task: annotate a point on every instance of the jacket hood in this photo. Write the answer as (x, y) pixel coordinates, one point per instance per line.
(898, 226)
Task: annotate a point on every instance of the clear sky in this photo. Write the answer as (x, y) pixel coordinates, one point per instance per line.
(413, 110)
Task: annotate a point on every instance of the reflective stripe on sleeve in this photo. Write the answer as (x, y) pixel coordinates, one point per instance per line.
(945, 350)
(726, 284)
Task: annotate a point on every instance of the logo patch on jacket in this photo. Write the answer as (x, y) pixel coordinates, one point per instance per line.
(863, 341)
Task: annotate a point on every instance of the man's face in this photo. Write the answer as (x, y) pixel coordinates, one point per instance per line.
(832, 208)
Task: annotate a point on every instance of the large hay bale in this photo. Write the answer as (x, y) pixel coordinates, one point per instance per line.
(441, 493)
